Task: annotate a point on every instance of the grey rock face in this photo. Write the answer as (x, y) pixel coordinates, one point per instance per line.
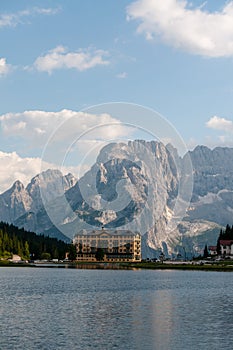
(213, 170)
(21, 205)
(213, 184)
(14, 202)
(48, 185)
(131, 186)
(136, 186)
(211, 205)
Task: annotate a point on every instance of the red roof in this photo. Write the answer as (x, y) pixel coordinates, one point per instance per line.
(226, 242)
(212, 247)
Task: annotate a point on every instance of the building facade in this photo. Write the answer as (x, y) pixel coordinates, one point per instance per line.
(108, 245)
(212, 250)
(226, 247)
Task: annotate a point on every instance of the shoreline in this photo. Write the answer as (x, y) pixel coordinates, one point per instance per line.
(220, 266)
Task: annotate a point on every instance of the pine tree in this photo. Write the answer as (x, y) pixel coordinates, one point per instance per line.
(26, 252)
(206, 252)
(18, 241)
(218, 246)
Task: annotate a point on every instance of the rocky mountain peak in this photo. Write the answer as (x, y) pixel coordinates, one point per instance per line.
(44, 187)
(134, 183)
(17, 186)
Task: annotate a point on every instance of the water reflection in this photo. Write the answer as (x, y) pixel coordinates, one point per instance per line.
(115, 309)
(86, 266)
(162, 318)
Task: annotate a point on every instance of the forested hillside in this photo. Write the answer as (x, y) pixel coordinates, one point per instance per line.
(29, 245)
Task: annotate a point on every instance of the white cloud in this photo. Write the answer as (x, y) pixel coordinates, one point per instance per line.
(46, 11)
(60, 58)
(13, 168)
(122, 75)
(13, 19)
(64, 137)
(37, 126)
(222, 124)
(191, 29)
(76, 140)
(4, 67)
(223, 135)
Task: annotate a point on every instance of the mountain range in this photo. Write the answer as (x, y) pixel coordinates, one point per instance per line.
(177, 203)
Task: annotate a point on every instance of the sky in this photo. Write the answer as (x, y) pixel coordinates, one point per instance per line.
(60, 58)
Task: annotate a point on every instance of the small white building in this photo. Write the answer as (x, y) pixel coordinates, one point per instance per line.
(15, 258)
(226, 246)
(212, 250)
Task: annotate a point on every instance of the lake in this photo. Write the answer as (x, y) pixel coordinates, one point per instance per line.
(51, 308)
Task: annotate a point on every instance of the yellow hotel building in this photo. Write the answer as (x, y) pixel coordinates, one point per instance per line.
(115, 245)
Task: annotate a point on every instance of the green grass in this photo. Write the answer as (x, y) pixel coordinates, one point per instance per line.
(10, 263)
(218, 266)
(212, 266)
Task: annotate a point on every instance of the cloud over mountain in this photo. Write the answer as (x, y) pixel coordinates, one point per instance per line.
(37, 126)
(67, 140)
(218, 123)
(13, 167)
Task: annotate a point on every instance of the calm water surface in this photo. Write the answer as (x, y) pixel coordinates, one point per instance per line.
(113, 309)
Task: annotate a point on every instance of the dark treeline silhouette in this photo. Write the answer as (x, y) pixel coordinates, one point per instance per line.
(28, 245)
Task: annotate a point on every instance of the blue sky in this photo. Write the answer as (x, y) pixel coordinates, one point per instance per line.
(173, 56)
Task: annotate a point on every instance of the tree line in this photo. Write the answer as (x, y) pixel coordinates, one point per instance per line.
(29, 245)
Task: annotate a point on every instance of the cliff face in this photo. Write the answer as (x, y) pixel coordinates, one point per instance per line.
(20, 205)
(213, 170)
(213, 185)
(136, 186)
(14, 202)
(127, 182)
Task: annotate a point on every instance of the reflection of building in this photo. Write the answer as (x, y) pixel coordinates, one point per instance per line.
(115, 245)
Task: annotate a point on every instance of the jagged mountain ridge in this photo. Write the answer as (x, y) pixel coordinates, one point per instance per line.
(213, 185)
(211, 205)
(122, 163)
(20, 205)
